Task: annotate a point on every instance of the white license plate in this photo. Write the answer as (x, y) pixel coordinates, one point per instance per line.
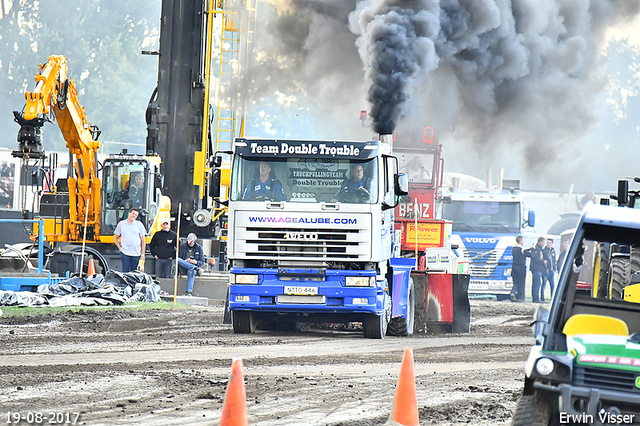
(478, 286)
(289, 289)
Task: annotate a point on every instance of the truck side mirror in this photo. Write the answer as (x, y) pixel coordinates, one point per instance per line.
(531, 218)
(214, 184)
(402, 184)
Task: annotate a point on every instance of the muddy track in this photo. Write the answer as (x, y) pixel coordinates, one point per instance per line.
(168, 367)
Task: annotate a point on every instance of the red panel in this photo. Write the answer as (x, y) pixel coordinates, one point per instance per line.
(440, 296)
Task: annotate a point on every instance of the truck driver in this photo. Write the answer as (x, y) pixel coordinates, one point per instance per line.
(265, 187)
(358, 188)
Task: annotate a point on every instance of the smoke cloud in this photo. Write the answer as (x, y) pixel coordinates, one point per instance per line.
(511, 80)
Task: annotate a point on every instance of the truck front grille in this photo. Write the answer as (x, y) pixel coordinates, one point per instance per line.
(327, 244)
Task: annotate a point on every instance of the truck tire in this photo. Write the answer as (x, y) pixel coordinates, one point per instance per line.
(243, 322)
(404, 326)
(375, 326)
(619, 276)
(531, 410)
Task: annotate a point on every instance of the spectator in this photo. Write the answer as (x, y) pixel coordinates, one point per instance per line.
(587, 200)
(358, 187)
(163, 249)
(537, 268)
(552, 265)
(518, 271)
(190, 260)
(129, 238)
(264, 187)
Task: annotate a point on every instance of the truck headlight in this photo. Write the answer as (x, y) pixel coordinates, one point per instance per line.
(544, 366)
(360, 281)
(507, 272)
(243, 279)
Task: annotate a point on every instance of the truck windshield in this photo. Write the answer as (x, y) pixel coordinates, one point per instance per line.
(304, 180)
(417, 166)
(483, 216)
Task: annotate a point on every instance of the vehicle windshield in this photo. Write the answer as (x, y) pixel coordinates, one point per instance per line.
(608, 257)
(417, 166)
(483, 216)
(304, 180)
(124, 189)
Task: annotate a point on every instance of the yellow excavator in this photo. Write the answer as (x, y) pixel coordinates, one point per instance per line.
(84, 209)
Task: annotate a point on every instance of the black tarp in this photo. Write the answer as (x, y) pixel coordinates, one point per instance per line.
(116, 288)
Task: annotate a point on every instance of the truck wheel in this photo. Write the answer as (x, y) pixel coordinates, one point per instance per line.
(531, 410)
(619, 277)
(243, 322)
(404, 326)
(375, 326)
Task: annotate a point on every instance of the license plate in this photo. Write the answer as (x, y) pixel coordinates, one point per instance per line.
(474, 286)
(288, 289)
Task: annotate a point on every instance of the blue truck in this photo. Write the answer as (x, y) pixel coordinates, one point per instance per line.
(485, 224)
(311, 241)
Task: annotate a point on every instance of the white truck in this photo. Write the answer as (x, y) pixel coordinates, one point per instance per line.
(317, 251)
(485, 224)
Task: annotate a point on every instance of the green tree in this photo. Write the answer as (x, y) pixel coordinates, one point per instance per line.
(102, 41)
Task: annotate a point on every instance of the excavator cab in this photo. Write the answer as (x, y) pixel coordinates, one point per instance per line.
(129, 182)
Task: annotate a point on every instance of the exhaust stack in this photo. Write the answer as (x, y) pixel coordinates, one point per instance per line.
(386, 138)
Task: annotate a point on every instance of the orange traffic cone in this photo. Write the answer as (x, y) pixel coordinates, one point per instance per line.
(405, 405)
(91, 269)
(234, 409)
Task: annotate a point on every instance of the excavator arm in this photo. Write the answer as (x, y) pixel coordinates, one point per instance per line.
(55, 98)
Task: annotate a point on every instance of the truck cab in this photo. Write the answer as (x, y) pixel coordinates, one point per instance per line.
(311, 234)
(485, 224)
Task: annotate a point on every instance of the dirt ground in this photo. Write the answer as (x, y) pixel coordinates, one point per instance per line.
(170, 367)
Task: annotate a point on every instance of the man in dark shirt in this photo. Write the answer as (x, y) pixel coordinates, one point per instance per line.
(518, 271)
(550, 256)
(163, 248)
(537, 267)
(190, 260)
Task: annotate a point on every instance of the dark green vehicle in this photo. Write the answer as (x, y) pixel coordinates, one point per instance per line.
(585, 366)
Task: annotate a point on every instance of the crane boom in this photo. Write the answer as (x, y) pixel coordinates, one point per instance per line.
(55, 98)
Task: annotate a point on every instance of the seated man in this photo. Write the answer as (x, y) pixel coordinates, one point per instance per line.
(265, 187)
(136, 191)
(356, 189)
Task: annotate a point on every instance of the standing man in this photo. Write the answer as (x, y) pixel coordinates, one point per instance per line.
(163, 248)
(129, 238)
(518, 271)
(190, 259)
(552, 262)
(537, 267)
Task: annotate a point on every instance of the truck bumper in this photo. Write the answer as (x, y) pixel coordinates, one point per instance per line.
(306, 292)
(484, 286)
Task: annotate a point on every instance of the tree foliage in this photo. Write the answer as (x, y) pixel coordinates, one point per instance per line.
(102, 41)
